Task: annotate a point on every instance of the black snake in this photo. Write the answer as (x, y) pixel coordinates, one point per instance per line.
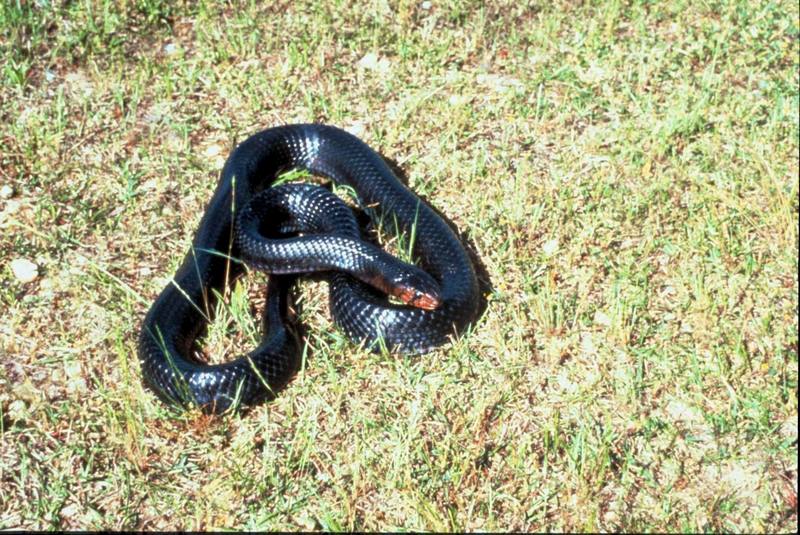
(291, 229)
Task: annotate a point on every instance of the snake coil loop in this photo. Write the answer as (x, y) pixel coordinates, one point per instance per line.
(294, 229)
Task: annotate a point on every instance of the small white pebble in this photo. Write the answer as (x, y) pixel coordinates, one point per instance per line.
(459, 100)
(306, 521)
(12, 207)
(6, 192)
(213, 150)
(77, 384)
(24, 270)
(149, 185)
(46, 288)
(601, 318)
(373, 62)
(357, 128)
(587, 344)
(170, 49)
(71, 511)
(550, 247)
(75, 380)
(426, 5)
(789, 429)
(369, 61)
(73, 369)
(214, 155)
(17, 410)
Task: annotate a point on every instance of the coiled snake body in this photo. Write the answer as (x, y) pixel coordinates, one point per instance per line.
(293, 229)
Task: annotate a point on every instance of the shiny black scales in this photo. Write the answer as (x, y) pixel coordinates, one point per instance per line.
(299, 228)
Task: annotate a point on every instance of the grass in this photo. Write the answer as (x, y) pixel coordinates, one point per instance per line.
(627, 173)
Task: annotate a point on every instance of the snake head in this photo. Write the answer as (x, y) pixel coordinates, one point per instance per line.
(416, 288)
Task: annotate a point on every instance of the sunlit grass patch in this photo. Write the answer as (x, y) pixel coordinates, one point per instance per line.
(627, 174)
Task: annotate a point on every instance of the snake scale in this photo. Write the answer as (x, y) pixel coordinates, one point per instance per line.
(291, 229)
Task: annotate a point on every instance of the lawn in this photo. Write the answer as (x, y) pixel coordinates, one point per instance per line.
(625, 172)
